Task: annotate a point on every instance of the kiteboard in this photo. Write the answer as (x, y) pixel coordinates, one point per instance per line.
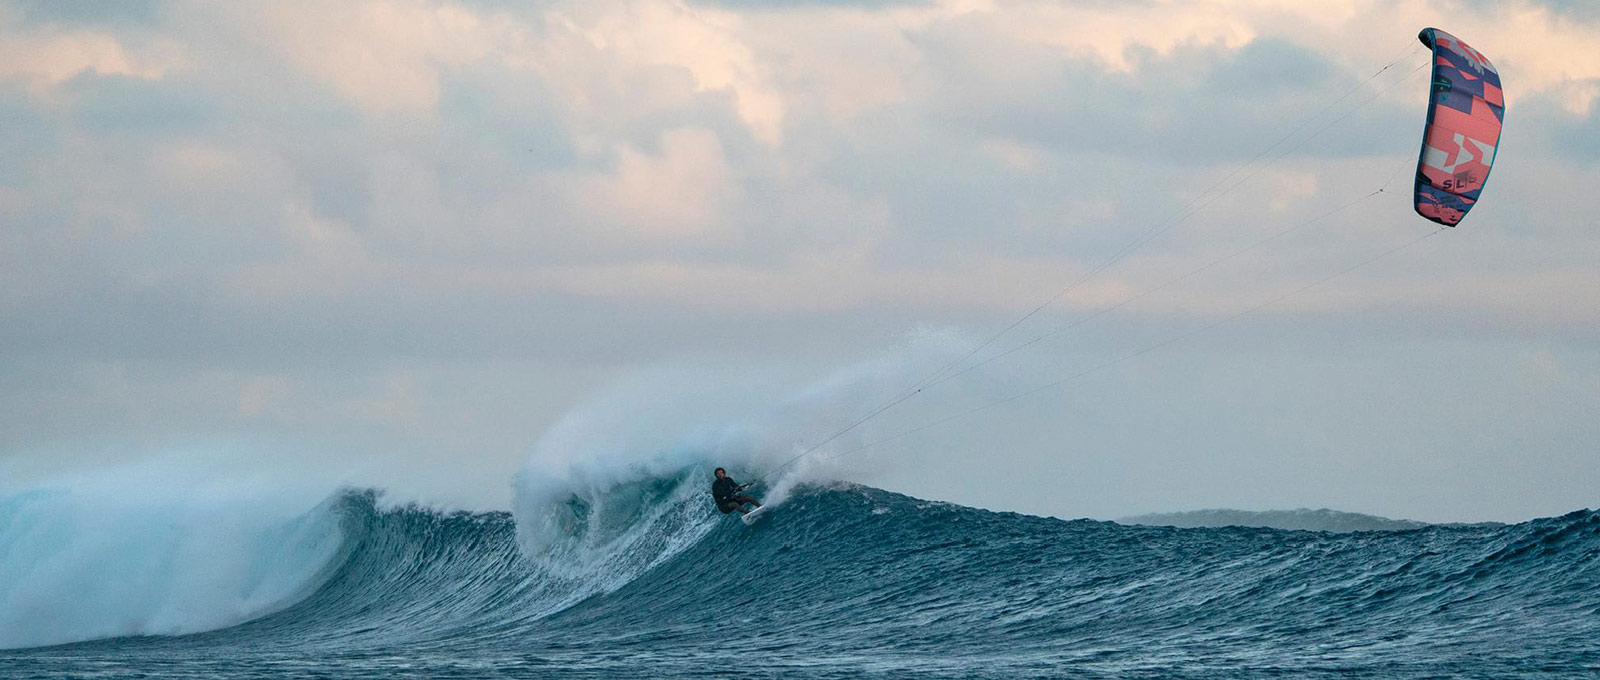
(751, 517)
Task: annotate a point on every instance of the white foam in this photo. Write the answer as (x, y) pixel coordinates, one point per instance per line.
(674, 425)
(151, 550)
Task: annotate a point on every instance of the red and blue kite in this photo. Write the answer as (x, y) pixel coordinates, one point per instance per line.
(1463, 130)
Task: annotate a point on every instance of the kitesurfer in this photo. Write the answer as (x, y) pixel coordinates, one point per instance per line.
(724, 491)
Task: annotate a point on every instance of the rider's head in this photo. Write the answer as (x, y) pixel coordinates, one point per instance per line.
(720, 473)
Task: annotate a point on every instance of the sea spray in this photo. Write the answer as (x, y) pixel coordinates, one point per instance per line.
(153, 549)
(681, 421)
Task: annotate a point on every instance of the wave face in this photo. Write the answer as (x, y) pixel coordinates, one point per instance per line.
(849, 581)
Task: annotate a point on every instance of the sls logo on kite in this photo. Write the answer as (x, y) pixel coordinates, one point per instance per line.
(1462, 180)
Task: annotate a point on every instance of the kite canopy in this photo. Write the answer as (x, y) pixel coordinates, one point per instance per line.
(1458, 145)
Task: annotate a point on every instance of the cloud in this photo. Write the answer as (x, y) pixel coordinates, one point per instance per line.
(663, 136)
(132, 13)
(705, 43)
(48, 55)
(387, 57)
(682, 193)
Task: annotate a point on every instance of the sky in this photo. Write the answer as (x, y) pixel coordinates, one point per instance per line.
(400, 241)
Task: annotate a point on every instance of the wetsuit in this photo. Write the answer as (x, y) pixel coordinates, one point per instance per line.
(724, 491)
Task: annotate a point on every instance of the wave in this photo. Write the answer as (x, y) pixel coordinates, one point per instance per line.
(93, 562)
(853, 578)
(1303, 519)
(611, 491)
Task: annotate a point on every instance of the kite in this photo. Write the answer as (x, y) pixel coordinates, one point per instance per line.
(1465, 110)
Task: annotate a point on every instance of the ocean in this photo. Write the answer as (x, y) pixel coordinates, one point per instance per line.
(837, 581)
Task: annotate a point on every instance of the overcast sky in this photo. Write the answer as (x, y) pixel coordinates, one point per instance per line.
(404, 238)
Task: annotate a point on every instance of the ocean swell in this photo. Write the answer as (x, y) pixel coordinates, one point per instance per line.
(844, 580)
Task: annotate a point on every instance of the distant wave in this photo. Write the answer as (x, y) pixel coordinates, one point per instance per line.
(1296, 520)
